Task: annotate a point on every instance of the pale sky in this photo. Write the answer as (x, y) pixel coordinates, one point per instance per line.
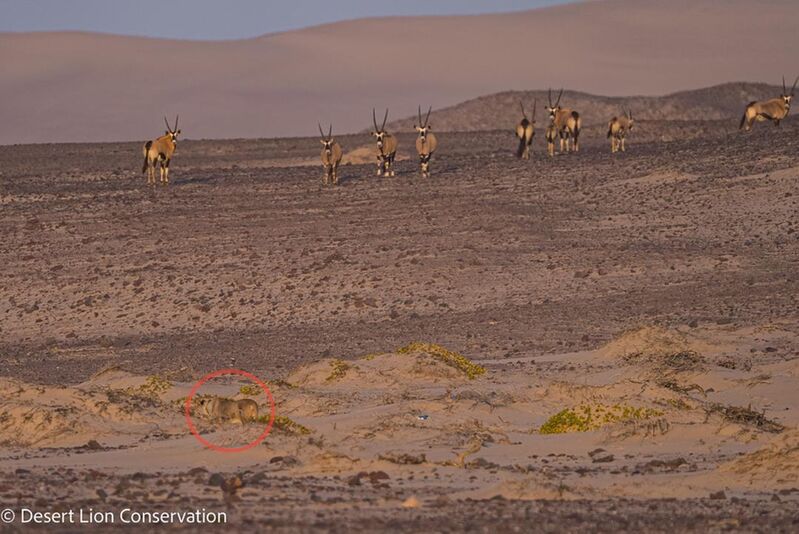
(223, 19)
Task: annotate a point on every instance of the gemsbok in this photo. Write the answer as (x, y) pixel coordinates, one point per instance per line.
(775, 109)
(426, 143)
(618, 128)
(159, 152)
(525, 131)
(567, 122)
(386, 147)
(331, 156)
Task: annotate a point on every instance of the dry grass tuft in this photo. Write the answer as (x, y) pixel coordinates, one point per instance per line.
(339, 369)
(453, 359)
(286, 425)
(586, 417)
(746, 417)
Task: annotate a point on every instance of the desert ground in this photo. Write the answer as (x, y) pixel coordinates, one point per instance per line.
(593, 341)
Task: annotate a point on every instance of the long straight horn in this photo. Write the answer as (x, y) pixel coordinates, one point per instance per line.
(559, 95)
(320, 130)
(330, 132)
(167, 124)
(784, 91)
(385, 118)
(427, 119)
(521, 105)
(549, 97)
(374, 119)
(419, 113)
(535, 105)
(793, 87)
(177, 118)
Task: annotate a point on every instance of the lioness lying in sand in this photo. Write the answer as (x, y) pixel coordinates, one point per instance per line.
(221, 409)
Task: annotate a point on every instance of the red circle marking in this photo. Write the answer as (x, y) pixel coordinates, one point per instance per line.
(223, 372)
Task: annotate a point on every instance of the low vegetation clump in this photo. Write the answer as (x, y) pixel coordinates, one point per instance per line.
(664, 349)
(746, 416)
(251, 390)
(153, 387)
(678, 404)
(282, 383)
(586, 417)
(339, 369)
(453, 359)
(670, 383)
(285, 424)
(684, 360)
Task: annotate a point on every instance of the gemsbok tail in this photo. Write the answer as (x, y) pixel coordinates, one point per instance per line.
(520, 150)
(577, 123)
(146, 149)
(743, 119)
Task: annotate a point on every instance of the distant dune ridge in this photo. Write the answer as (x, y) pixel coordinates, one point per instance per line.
(497, 111)
(58, 87)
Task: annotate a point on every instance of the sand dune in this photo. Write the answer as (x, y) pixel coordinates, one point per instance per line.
(586, 425)
(82, 87)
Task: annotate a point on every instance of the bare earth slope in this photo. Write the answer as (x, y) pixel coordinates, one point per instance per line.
(81, 87)
(246, 248)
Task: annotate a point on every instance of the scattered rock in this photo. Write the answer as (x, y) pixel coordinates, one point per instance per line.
(257, 478)
(376, 476)
(404, 458)
(596, 452)
(482, 463)
(663, 465)
(411, 502)
(285, 461)
(231, 485)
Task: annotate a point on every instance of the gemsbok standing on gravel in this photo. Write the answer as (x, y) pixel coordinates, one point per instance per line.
(426, 143)
(618, 128)
(159, 152)
(386, 147)
(775, 109)
(331, 156)
(567, 123)
(525, 131)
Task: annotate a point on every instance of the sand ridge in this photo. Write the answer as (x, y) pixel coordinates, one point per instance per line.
(407, 412)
